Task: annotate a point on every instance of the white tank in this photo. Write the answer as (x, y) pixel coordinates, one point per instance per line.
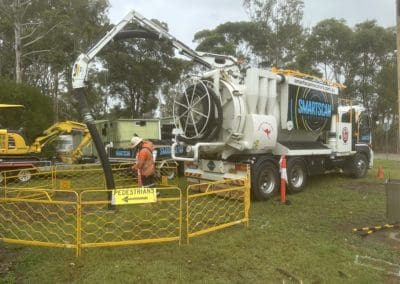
(255, 113)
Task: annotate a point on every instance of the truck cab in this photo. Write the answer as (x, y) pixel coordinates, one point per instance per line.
(354, 131)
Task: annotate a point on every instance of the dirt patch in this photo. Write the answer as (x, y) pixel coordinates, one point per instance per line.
(390, 237)
(7, 258)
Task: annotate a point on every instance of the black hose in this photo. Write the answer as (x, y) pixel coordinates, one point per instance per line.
(89, 121)
(135, 34)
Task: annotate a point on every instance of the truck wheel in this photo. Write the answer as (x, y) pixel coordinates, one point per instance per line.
(297, 175)
(359, 166)
(264, 180)
(24, 175)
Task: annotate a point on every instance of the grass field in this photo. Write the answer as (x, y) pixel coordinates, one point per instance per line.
(311, 239)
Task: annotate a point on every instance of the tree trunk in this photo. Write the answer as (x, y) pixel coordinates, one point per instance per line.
(55, 98)
(18, 45)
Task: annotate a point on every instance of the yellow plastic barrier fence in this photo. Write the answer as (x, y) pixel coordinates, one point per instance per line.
(160, 221)
(80, 220)
(71, 208)
(43, 221)
(217, 205)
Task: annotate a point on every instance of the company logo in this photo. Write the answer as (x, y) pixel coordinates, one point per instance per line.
(211, 165)
(314, 108)
(345, 134)
(266, 128)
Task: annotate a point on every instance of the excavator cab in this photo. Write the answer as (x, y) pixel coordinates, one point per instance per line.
(12, 142)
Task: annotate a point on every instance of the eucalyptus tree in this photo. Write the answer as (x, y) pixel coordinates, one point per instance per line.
(136, 71)
(329, 47)
(281, 35)
(373, 46)
(41, 39)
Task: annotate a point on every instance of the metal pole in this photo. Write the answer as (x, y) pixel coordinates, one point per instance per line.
(386, 144)
(398, 71)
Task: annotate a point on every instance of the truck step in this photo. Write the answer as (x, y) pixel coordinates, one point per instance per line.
(304, 145)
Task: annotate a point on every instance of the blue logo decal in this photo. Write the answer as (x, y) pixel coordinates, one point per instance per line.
(314, 108)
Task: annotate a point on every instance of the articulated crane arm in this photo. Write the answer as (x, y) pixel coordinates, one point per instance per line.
(54, 131)
(149, 29)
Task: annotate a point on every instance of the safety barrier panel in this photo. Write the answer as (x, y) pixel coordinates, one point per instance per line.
(160, 221)
(217, 205)
(79, 220)
(44, 221)
(61, 208)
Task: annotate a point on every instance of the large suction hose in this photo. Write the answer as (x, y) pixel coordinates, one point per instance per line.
(89, 121)
(88, 118)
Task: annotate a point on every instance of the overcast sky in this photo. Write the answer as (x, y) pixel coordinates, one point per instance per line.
(185, 18)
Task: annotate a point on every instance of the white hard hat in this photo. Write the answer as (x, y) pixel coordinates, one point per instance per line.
(135, 141)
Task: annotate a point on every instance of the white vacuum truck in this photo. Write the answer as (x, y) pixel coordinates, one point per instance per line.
(227, 121)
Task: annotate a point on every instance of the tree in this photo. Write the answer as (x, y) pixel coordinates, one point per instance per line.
(48, 35)
(374, 45)
(386, 86)
(329, 47)
(282, 34)
(137, 70)
(24, 18)
(35, 103)
(232, 38)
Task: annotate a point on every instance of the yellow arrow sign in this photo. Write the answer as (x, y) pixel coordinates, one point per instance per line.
(124, 196)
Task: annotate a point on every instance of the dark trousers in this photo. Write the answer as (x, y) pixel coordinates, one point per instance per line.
(148, 181)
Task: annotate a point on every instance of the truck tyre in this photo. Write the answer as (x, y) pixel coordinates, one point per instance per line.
(297, 175)
(24, 175)
(359, 166)
(264, 180)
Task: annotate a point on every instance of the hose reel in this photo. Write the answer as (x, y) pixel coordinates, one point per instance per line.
(198, 112)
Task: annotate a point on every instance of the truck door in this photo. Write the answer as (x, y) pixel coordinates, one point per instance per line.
(364, 129)
(344, 132)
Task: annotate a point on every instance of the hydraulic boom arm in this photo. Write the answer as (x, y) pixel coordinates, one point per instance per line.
(77, 153)
(51, 133)
(150, 30)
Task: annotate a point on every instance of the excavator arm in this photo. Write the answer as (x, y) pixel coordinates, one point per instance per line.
(54, 131)
(77, 153)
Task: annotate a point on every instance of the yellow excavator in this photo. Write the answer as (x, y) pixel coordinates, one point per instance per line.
(17, 154)
(13, 143)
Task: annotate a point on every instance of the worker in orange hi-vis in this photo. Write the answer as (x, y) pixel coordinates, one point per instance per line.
(144, 161)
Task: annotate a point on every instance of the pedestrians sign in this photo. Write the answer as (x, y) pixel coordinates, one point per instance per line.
(124, 196)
